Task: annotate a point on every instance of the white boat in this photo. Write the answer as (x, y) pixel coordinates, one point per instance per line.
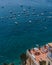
(16, 22)
(42, 13)
(49, 16)
(30, 21)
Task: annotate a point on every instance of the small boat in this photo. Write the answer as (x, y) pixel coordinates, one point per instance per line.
(14, 18)
(49, 16)
(18, 15)
(30, 21)
(16, 22)
(33, 14)
(42, 13)
(37, 45)
(36, 48)
(24, 10)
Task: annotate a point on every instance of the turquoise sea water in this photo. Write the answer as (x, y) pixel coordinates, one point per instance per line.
(17, 38)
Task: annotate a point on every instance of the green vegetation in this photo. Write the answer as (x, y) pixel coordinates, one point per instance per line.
(42, 62)
(8, 64)
(23, 58)
(4, 64)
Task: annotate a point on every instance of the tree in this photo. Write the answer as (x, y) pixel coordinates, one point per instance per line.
(42, 62)
(11, 64)
(23, 58)
(4, 64)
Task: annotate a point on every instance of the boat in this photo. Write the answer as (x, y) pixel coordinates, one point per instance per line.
(42, 13)
(16, 22)
(30, 21)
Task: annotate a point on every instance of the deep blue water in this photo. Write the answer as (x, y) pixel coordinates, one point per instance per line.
(17, 38)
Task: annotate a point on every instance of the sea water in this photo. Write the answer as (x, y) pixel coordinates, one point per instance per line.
(17, 38)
